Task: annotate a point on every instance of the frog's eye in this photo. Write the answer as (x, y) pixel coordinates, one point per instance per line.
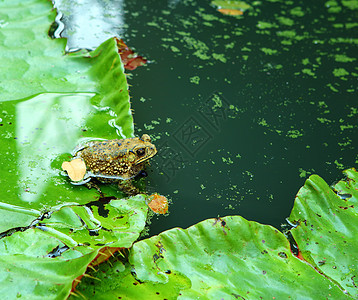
(140, 151)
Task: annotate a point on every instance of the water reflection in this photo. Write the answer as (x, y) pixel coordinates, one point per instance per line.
(47, 125)
(99, 18)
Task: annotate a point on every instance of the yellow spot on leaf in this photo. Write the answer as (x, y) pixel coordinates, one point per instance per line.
(158, 204)
(76, 169)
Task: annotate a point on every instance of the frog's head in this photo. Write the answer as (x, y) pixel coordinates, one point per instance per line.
(144, 149)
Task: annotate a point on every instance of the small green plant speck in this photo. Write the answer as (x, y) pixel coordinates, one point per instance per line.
(297, 11)
(304, 173)
(351, 4)
(308, 72)
(268, 51)
(264, 25)
(344, 127)
(263, 122)
(340, 72)
(230, 46)
(220, 57)
(217, 102)
(195, 79)
(294, 134)
(285, 21)
(339, 165)
(305, 61)
(324, 120)
(174, 49)
(343, 58)
(148, 127)
(228, 160)
(332, 88)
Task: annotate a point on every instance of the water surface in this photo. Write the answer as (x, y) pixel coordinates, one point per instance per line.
(241, 109)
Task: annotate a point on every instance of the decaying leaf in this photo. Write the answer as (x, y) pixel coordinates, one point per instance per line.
(158, 204)
(231, 12)
(76, 169)
(130, 60)
(231, 8)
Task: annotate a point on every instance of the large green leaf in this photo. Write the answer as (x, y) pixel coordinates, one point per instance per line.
(327, 230)
(215, 259)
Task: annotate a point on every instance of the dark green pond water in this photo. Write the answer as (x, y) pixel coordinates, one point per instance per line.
(242, 109)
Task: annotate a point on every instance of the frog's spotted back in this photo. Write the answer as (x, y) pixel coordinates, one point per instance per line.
(119, 158)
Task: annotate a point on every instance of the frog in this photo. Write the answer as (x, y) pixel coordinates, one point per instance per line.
(115, 161)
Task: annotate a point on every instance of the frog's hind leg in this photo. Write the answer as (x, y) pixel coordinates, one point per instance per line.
(127, 187)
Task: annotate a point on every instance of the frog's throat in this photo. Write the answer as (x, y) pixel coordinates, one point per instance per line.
(142, 160)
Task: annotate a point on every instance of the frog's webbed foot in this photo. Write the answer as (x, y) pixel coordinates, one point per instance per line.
(92, 185)
(127, 187)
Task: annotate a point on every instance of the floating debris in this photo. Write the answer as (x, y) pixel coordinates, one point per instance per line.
(231, 12)
(158, 204)
(76, 169)
(130, 60)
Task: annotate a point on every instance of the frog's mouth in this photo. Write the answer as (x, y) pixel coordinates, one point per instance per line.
(144, 154)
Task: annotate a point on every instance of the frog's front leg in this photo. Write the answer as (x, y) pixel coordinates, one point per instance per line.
(93, 185)
(127, 187)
